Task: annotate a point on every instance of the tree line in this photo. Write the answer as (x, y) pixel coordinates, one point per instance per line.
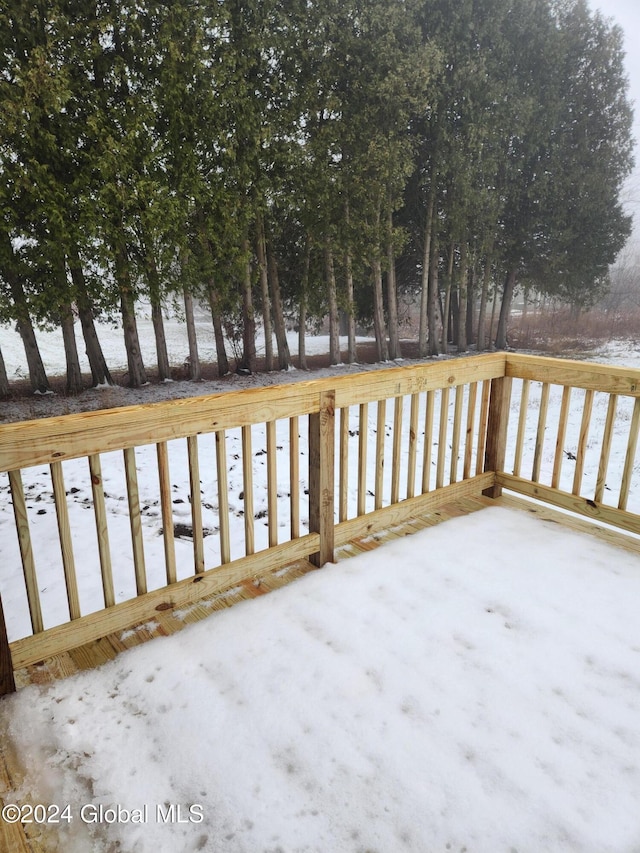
(307, 158)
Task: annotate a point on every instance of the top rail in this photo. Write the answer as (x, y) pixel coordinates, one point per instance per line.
(48, 440)
(577, 374)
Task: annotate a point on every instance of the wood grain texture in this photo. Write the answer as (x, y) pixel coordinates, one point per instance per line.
(540, 432)
(64, 537)
(630, 455)
(605, 450)
(428, 442)
(7, 681)
(294, 477)
(585, 423)
(469, 430)
(92, 627)
(413, 445)
(381, 426)
(497, 425)
(195, 495)
(455, 435)
(272, 485)
(135, 521)
(343, 466)
(482, 426)
(597, 512)
(398, 407)
(560, 436)
(102, 529)
(223, 497)
(166, 507)
(247, 488)
(393, 514)
(578, 374)
(48, 440)
(522, 424)
(363, 441)
(321, 478)
(26, 550)
(442, 436)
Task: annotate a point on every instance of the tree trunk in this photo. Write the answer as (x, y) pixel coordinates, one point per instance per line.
(453, 316)
(484, 297)
(155, 295)
(494, 303)
(137, 372)
(195, 371)
(462, 297)
(261, 254)
(99, 370)
(433, 296)
(4, 379)
(427, 304)
(74, 374)
(302, 310)
(248, 362)
(378, 312)
(471, 304)
(447, 303)
(37, 373)
(284, 356)
(218, 333)
(334, 320)
(164, 368)
(505, 310)
(153, 281)
(352, 356)
(392, 294)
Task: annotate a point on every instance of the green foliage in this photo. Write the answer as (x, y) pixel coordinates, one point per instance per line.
(159, 131)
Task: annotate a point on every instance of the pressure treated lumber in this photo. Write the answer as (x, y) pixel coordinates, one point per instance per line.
(48, 440)
(38, 647)
(498, 421)
(321, 477)
(598, 512)
(7, 682)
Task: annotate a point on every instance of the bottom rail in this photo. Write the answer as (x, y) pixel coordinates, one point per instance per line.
(93, 626)
(597, 512)
(388, 516)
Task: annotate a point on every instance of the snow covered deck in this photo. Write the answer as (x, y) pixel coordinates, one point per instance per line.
(376, 704)
(168, 621)
(438, 692)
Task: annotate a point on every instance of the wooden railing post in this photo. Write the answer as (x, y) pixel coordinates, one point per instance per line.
(321, 477)
(497, 423)
(7, 683)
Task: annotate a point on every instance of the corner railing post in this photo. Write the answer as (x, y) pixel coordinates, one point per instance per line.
(7, 683)
(497, 422)
(321, 477)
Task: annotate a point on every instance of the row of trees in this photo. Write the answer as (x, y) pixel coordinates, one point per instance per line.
(307, 158)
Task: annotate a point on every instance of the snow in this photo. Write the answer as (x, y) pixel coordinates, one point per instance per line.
(111, 338)
(472, 687)
(435, 694)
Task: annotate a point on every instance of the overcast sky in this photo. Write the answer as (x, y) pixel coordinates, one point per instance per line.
(626, 13)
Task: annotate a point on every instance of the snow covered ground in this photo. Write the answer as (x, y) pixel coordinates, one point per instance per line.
(111, 338)
(474, 687)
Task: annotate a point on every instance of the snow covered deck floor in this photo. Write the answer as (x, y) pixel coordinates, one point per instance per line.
(30, 839)
(167, 622)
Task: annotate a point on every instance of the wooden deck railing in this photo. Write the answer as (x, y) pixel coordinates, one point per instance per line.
(569, 462)
(279, 474)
